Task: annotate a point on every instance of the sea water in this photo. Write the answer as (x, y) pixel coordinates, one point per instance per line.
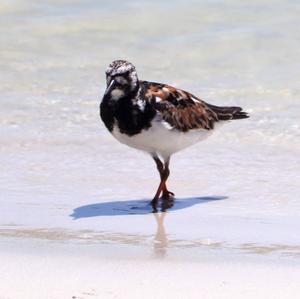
(64, 177)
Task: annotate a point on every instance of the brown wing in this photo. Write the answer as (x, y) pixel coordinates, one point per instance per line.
(179, 108)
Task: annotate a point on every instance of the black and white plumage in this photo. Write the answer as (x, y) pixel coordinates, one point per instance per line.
(157, 118)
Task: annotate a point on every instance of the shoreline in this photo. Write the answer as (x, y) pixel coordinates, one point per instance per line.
(160, 246)
(48, 269)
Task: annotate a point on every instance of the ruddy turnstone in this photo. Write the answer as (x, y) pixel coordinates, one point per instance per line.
(157, 118)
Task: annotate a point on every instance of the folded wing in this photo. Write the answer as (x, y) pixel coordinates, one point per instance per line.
(184, 111)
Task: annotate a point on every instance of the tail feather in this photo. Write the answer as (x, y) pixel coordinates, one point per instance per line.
(228, 113)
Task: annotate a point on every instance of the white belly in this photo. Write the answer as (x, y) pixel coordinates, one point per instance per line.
(161, 139)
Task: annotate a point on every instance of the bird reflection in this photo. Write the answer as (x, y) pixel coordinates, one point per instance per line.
(142, 207)
(160, 239)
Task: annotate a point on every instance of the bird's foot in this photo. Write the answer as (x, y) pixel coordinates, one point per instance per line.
(167, 201)
(167, 195)
(167, 204)
(154, 203)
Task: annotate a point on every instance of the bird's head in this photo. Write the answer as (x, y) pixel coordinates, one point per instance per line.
(121, 79)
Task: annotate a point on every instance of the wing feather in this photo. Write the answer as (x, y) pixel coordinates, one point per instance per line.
(179, 108)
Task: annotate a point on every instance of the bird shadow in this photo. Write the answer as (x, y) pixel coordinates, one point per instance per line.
(138, 207)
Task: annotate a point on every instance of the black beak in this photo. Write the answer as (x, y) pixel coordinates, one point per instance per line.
(111, 86)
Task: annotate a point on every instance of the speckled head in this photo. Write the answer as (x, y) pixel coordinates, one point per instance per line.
(119, 67)
(121, 79)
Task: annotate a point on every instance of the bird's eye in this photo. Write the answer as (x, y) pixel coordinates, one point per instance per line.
(121, 79)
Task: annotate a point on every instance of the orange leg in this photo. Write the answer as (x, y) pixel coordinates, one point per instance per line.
(164, 172)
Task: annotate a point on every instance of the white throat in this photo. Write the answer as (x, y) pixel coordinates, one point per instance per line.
(116, 94)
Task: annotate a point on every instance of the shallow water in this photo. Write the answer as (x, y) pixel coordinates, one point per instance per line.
(61, 171)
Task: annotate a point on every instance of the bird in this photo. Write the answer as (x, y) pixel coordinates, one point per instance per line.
(157, 118)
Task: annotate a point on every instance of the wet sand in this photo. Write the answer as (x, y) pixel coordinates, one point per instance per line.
(36, 270)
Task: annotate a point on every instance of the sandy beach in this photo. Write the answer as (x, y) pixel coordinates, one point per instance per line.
(75, 219)
(35, 269)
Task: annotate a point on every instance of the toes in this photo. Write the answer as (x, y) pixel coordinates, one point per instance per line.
(167, 204)
(154, 205)
(168, 195)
